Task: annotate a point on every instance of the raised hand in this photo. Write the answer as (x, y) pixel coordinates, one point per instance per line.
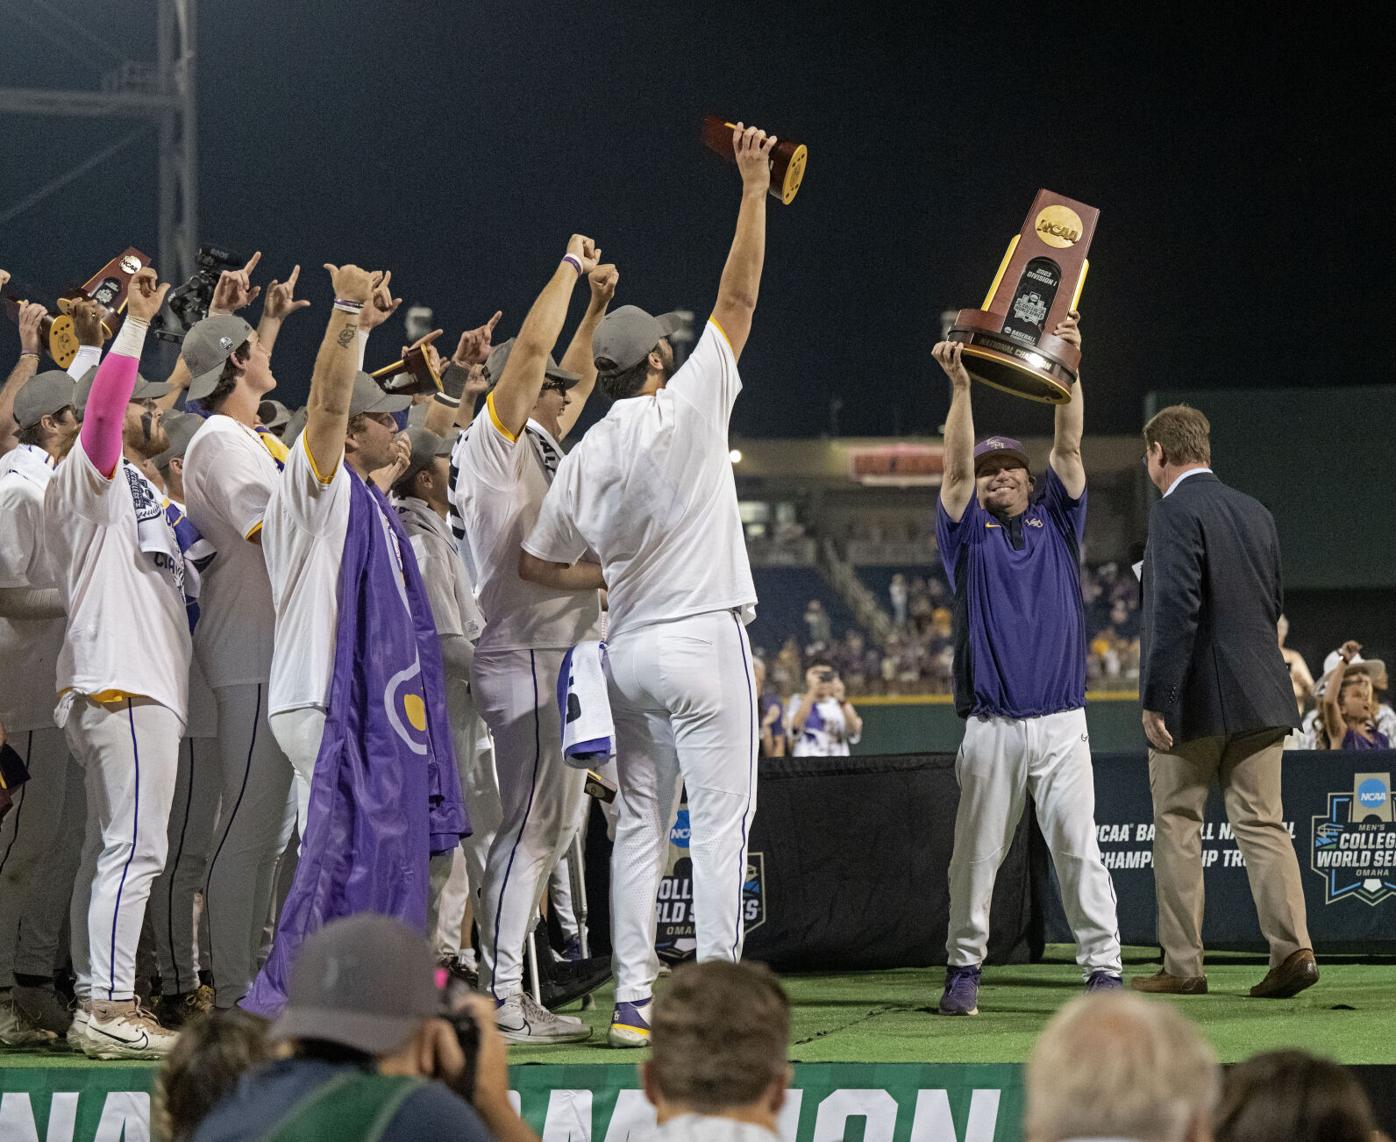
(1069, 330)
(382, 305)
(603, 281)
(474, 345)
(753, 147)
(389, 475)
(948, 355)
(235, 290)
(4, 278)
(476, 383)
(350, 282)
(31, 319)
(585, 251)
(146, 295)
(281, 300)
(87, 321)
(424, 343)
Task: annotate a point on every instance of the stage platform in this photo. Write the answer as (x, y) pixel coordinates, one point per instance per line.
(872, 1060)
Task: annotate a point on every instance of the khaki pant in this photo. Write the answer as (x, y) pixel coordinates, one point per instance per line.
(1248, 769)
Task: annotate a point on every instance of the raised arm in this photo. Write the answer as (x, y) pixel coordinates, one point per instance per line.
(463, 366)
(578, 358)
(105, 415)
(957, 482)
(1070, 420)
(31, 314)
(332, 383)
(741, 276)
(278, 305)
(517, 391)
(1331, 711)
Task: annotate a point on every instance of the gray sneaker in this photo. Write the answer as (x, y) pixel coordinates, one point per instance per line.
(521, 1020)
(124, 1030)
(82, 1015)
(18, 1030)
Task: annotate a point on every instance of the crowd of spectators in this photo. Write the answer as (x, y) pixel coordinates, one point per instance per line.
(916, 657)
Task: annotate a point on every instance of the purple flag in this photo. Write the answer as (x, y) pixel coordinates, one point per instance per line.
(386, 794)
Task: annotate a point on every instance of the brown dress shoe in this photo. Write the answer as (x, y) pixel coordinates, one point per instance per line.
(1161, 983)
(1297, 972)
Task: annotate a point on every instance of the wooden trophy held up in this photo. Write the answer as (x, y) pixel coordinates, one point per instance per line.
(1008, 342)
(788, 159)
(412, 374)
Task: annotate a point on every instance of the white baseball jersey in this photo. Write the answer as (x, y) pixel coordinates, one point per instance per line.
(307, 519)
(650, 488)
(453, 606)
(229, 477)
(498, 486)
(121, 575)
(27, 694)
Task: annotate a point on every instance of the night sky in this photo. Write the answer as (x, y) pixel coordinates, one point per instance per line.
(1241, 174)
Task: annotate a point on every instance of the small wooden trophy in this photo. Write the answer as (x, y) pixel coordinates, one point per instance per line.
(788, 159)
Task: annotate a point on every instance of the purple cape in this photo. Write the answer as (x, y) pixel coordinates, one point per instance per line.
(386, 794)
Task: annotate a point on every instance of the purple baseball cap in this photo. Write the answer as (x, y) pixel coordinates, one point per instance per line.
(1000, 446)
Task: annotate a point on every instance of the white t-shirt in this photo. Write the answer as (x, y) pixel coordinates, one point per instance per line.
(711, 1128)
(306, 522)
(28, 647)
(650, 489)
(825, 733)
(498, 486)
(121, 575)
(228, 478)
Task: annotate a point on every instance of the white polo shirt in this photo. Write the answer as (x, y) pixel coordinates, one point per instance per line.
(120, 572)
(229, 477)
(28, 647)
(650, 489)
(498, 485)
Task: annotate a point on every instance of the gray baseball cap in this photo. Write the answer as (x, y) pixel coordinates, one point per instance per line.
(43, 396)
(179, 428)
(295, 426)
(626, 335)
(144, 390)
(499, 356)
(426, 447)
(365, 981)
(273, 415)
(206, 350)
(368, 397)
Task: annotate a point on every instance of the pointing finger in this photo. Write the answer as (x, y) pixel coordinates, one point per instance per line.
(252, 263)
(295, 276)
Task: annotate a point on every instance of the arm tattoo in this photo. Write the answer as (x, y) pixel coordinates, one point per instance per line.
(346, 336)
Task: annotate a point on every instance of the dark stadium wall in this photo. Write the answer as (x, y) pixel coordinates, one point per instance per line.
(929, 725)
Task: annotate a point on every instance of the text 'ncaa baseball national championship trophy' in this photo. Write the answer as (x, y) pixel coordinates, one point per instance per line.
(1007, 343)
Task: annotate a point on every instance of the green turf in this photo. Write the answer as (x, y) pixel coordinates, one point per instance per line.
(882, 1017)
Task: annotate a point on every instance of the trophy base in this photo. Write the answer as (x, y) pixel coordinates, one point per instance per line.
(1044, 372)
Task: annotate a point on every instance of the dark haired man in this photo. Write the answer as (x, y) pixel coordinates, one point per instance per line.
(823, 722)
(1217, 704)
(650, 490)
(502, 466)
(1012, 556)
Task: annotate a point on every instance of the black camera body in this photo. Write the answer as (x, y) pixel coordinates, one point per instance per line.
(188, 303)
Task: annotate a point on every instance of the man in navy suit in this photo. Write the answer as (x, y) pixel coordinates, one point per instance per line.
(1217, 704)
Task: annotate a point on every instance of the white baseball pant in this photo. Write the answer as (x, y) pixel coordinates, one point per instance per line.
(40, 847)
(451, 892)
(129, 752)
(1000, 762)
(192, 812)
(684, 705)
(252, 832)
(516, 691)
(298, 732)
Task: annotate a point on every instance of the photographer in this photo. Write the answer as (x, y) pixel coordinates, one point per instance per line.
(370, 1054)
(824, 722)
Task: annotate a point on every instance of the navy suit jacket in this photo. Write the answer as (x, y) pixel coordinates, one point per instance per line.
(1210, 658)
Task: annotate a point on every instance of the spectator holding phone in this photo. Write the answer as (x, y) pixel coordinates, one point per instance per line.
(823, 722)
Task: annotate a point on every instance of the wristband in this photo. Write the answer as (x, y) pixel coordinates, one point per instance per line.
(348, 306)
(449, 402)
(26, 353)
(573, 261)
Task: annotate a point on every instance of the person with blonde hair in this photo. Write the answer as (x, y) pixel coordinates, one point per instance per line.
(1115, 1065)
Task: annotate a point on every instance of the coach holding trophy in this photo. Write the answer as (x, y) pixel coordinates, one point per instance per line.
(1217, 704)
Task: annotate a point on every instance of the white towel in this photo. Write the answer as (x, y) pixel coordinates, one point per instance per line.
(588, 733)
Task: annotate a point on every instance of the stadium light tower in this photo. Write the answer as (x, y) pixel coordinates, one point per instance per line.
(159, 95)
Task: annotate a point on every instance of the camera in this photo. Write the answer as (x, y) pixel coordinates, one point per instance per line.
(187, 304)
(827, 676)
(466, 1029)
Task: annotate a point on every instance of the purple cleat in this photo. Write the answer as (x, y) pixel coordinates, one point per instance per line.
(961, 995)
(1102, 980)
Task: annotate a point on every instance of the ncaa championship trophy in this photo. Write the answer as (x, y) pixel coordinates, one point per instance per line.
(788, 159)
(1007, 342)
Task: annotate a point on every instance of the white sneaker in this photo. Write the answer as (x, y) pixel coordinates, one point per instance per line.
(82, 1013)
(125, 1031)
(521, 1020)
(18, 1030)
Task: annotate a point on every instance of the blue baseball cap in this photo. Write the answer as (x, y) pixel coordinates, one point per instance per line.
(1000, 446)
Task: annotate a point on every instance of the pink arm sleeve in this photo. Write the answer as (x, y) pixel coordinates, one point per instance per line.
(106, 410)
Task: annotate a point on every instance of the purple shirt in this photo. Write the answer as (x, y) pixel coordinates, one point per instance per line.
(1352, 740)
(1020, 630)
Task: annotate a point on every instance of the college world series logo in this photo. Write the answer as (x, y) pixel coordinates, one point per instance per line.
(1354, 844)
(675, 930)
